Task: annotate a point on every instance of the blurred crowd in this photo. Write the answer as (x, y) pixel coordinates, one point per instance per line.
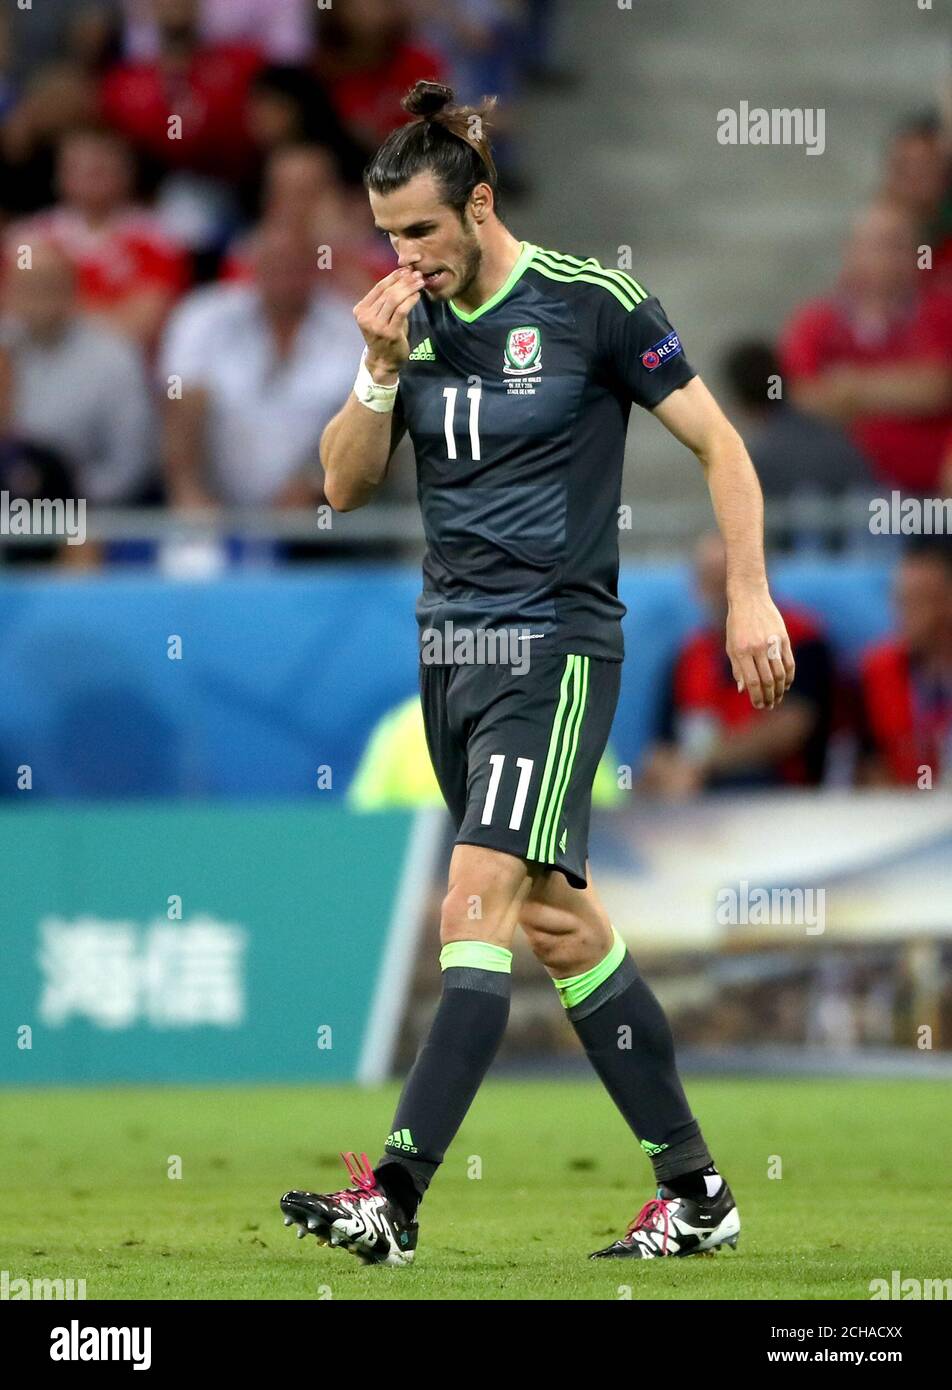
(853, 401)
(856, 394)
(882, 720)
(185, 230)
(836, 1001)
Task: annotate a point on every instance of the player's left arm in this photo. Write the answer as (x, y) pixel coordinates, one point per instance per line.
(757, 643)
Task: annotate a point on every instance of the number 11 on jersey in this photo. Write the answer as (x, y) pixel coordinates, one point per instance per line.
(473, 393)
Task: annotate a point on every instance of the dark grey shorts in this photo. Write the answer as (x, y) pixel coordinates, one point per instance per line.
(516, 754)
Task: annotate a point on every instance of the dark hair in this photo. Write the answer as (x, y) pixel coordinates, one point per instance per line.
(747, 367)
(925, 123)
(317, 121)
(449, 141)
(99, 131)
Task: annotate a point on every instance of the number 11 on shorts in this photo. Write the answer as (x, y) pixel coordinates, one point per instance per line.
(525, 766)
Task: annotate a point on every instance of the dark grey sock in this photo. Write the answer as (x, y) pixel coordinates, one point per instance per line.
(449, 1068)
(628, 1040)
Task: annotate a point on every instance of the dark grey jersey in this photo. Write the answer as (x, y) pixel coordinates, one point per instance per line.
(518, 414)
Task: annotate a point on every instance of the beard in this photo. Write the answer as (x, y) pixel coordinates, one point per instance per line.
(470, 263)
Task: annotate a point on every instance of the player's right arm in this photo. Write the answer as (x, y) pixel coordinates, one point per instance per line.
(357, 444)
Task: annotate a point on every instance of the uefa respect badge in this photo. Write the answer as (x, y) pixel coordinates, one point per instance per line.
(669, 346)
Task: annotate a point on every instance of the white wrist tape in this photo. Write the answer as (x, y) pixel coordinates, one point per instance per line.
(370, 393)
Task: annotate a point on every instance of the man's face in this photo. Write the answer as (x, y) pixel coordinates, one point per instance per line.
(917, 171)
(297, 181)
(176, 17)
(92, 173)
(923, 603)
(367, 19)
(286, 270)
(428, 236)
(881, 252)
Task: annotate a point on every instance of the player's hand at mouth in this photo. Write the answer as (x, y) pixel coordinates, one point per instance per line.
(382, 317)
(759, 649)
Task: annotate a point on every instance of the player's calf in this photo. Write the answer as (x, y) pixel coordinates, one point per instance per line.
(477, 924)
(628, 1041)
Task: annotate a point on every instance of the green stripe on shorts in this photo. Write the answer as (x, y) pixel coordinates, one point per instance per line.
(570, 749)
(563, 743)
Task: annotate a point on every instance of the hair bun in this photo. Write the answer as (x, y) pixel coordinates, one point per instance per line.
(427, 99)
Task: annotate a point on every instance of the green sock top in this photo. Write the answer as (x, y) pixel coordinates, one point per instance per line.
(477, 955)
(578, 987)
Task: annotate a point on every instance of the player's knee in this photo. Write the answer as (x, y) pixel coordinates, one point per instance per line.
(484, 890)
(467, 916)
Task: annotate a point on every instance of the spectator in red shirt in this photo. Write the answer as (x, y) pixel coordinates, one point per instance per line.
(128, 272)
(907, 679)
(876, 355)
(206, 85)
(367, 62)
(710, 736)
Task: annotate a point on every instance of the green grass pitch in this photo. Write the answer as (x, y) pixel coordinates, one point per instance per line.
(85, 1191)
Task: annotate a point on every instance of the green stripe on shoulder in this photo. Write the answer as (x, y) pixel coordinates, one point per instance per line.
(621, 275)
(575, 268)
(578, 276)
